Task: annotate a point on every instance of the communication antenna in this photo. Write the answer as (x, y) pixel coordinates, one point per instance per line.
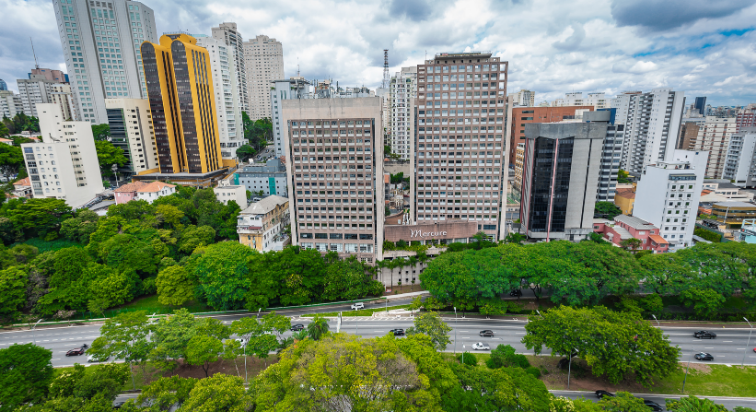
(36, 64)
(386, 79)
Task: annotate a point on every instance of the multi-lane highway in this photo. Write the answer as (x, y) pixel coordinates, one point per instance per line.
(729, 347)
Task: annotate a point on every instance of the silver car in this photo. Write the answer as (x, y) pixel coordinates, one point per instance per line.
(481, 346)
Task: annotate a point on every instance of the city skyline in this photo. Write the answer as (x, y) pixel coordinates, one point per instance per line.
(700, 48)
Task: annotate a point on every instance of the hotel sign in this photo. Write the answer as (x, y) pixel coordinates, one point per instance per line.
(421, 234)
(445, 230)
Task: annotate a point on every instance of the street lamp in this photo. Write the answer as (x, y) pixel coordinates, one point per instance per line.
(657, 320)
(749, 342)
(569, 370)
(456, 326)
(114, 168)
(34, 331)
(686, 374)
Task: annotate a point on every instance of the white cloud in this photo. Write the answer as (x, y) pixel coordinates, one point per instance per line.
(552, 46)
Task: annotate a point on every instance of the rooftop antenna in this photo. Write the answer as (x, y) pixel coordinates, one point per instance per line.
(386, 79)
(36, 64)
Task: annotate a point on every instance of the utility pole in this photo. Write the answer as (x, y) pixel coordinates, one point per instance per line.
(749, 342)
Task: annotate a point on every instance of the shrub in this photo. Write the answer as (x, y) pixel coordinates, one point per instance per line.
(504, 355)
(469, 358)
(707, 234)
(533, 371)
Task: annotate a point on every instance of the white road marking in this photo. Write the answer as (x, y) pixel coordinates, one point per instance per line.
(727, 341)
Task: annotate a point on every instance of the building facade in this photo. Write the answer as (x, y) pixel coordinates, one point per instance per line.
(286, 89)
(182, 104)
(740, 166)
(335, 174)
(523, 98)
(230, 36)
(399, 129)
(668, 194)
(459, 169)
(263, 62)
(101, 45)
(261, 225)
(226, 87)
(10, 104)
(561, 179)
(36, 89)
(52, 75)
(268, 178)
(525, 115)
(147, 191)
(746, 117)
(714, 137)
(625, 227)
(131, 130)
(595, 100)
(226, 193)
(64, 165)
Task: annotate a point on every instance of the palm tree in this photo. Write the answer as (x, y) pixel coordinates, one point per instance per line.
(413, 262)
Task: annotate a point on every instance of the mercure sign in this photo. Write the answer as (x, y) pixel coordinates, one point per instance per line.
(421, 234)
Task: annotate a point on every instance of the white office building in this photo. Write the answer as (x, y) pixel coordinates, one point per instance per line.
(597, 100)
(285, 89)
(131, 130)
(714, 136)
(101, 44)
(228, 34)
(227, 97)
(64, 165)
(10, 104)
(402, 91)
(668, 194)
(740, 167)
(263, 61)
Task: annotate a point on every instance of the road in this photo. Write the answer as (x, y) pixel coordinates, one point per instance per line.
(727, 348)
(728, 402)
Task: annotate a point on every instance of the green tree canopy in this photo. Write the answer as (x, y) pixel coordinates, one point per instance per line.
(101, 132)
(25, 374)
(606, 210)
(108, 155)
(430, 324)
(11, 160)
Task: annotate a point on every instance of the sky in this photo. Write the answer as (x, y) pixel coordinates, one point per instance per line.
(701, 47)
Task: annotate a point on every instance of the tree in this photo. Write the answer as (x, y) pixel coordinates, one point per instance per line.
(631, 244)
(562, 404)
(101, 131)
(11, 160)
(124, 336)
(25, 374)
(596, 237)
(614, 344)
(164, 393)
(607, 210)
(4, 132)
(222, 274)
(218, 393)
(504, 389)
(40, 216)
(705, 302)
(104, 382)
(694, 404)
(623, 177)
(170, 214)
(171, 337)
(505, 356)
(245, 152)
(203, 350)
(12, 292)
(174, 286)
(430, 324)
(80, 227)
(108, 155)
(622, 402)
(514, 237)
(318, 328)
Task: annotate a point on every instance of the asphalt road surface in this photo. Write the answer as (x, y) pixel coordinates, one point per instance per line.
(729, 402)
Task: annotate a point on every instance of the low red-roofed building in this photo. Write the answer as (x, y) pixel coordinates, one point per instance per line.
(147, 191)
(22, 188)
(628, 227)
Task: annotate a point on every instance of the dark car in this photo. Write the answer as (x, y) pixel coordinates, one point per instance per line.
(397, 332)
(704, 334)
(487, 333)
(704, 356)
(601, 394)
(297, 327)
(78, 351)
(653, 405)
(516, 293)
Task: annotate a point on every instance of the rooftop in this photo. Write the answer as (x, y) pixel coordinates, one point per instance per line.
(730, 205)
(264, 206)
(625, 193)
(634, 222)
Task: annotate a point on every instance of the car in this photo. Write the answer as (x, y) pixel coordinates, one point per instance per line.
(652, 405)
(704, 334)
(97, 358)
(516, 293)
(704, 356)
(397, 332)
(601, 394)
(358, 306)
(297, 327)
(487, 333)
(481, 346)
(78, 351)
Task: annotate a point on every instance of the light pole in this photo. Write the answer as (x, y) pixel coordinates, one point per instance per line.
(456, 326)
(246, 381)
(569, 370)
(657, 320)
(686, 374)
(749, 342)
(114, 168)
(34, 331)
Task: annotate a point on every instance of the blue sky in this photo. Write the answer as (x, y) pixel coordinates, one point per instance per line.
(702, 47)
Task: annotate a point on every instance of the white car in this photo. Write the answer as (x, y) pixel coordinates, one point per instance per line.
(481, 346)
(358, 306)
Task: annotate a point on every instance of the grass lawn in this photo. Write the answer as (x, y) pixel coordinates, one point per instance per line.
(363, 312)
(151, 305)
(712, 380)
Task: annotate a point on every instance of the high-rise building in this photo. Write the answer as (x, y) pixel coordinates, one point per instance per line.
(740, 166)
(459, 166)
(652, 123)
(714, 137)
(597, 100)
(523, 115)
(60, 94)
(34, 90)
(263, 61)
(101, 45)
(131, 130)
(230, 36)
(700, 105)
(182, 105)
(688, 135)
(335, 171)
(52, 75)
(64, 165)
(294, 88)
(560, 179)
(3, 85)
(227, 97)
(518, 164)
(402, 88)
(746, 117)
(524, 98)
(268, 178)
(10, 104)
(668, 193)
(611, 152)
